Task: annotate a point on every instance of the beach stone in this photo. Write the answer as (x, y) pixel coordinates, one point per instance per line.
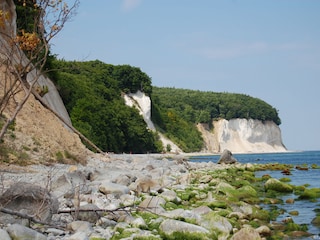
(290, 201)
(144, 185)
(181, 213)
(29, 199)
(202, 210)
(227, 158)
(263, 230)
(153, 204)
(205, 179)
(214, 221)
(125, 179)
(170, 226)
(113, 188)
(238, 215)
(79, 236)
(242, 207)
(138, 222)
(105, 222)
(19, 232)
(80, 226)
(246, 233)
(276, 185)
(169, 196)
(90, 216)
(128, 200)
(224, 187)
(4, 235)
(65, 184)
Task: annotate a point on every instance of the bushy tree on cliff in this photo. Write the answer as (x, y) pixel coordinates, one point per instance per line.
(24, 52)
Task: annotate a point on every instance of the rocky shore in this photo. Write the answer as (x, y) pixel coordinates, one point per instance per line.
(137, 197)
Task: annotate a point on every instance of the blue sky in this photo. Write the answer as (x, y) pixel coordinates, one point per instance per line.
(269, 49)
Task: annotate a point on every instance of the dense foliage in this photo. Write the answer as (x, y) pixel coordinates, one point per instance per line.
(92, 93)
(201, 107)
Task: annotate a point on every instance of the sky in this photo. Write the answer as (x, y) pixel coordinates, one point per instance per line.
(268, 49)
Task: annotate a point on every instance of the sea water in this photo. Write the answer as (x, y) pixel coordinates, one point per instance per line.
(311, 177)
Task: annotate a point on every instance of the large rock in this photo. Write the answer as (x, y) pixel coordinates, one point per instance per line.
(220, 224)
(227, 157)
(275, 185)
(4, 235)
(247, 233)
(170, 226)
(153, 204)
(29, 199)
(113, 188)
(19, 232)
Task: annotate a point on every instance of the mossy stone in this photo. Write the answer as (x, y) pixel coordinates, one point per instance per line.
(316, 221)
(275, 185)
(311, 193)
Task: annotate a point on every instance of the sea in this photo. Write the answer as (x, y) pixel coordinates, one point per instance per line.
(307, 209)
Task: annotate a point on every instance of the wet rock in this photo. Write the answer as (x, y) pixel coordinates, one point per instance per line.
(316, 221)
(227, 158)
(290, 201)
(19, 232)
(276, 185)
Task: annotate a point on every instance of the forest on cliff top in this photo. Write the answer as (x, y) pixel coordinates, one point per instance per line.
(93, 91)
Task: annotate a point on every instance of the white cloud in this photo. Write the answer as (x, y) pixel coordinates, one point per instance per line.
(129, 5)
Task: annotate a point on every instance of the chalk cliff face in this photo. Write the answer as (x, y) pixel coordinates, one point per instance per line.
(242, 136)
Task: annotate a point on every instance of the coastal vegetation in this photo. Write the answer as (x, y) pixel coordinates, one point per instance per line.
(92, 93)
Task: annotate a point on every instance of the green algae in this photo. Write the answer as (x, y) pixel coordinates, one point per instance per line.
(310, 193)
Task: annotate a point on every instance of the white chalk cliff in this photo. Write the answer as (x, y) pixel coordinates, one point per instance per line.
(143, 103)
(242, 136)
(236, 135)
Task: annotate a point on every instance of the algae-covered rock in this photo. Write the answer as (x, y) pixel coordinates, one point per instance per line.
(169, 226)
(246, 192)
(311, 193)
(225, 188)
(316, 221)
(246, 233)
(275, 185)
(213, 221)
